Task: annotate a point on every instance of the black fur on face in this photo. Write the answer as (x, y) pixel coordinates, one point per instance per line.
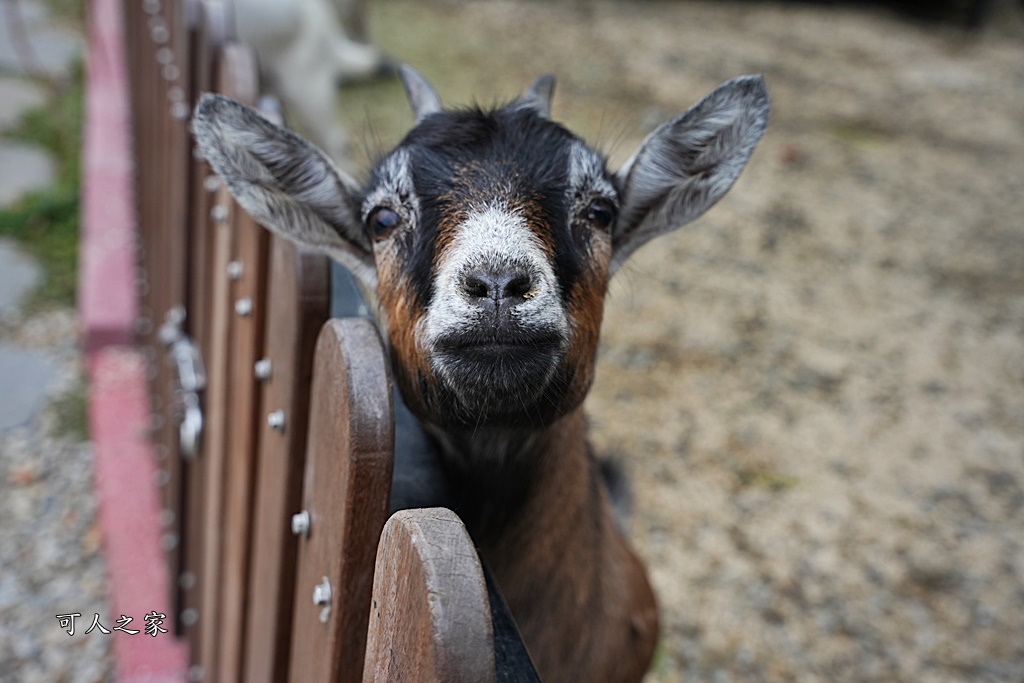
(516, 168)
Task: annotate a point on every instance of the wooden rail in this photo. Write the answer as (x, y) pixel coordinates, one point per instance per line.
(274, 426)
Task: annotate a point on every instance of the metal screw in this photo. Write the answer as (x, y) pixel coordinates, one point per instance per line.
(235, 270)
(159, 32)
(243, 307)
(170, 72)
(187, 580)
(211, 183)
(300, 523)
(275, 420)
(219, 213)
(322, 599)
(169, 541)
(180, 111)
(143, 325)
(161, 478)
(189, 616)
(262, 369)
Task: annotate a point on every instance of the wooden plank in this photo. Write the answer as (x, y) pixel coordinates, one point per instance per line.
(230, 404)
(242, 433)
(237, 79)
(174, 72)
(213, 458)
(159, 70)
(429, 621)
(297, 303)
(346, 488)
(210, 31)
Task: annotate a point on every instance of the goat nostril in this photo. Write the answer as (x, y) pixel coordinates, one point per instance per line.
(518, 287)
(503, 289)
(476, 287)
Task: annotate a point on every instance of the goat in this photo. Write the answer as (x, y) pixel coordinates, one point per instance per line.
(304, 54)
(489, 237)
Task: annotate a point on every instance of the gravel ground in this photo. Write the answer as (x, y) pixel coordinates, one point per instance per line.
(818, 389)
(50, 561)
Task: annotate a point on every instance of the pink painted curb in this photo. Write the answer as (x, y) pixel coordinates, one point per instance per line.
(124, 467)
(129, 515)
(106, 295)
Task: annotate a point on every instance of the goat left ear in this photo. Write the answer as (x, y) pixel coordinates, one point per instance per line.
(284, 182)
(688, 164)
(539, 95)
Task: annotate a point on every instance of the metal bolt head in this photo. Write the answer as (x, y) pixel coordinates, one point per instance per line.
(180, 111)
(262, 369)
(243, 307)
(187, 580)
(235, 270)
(322, 599)
(275, 420)
(168, 541)
(300, 523)
(189, 617)
(219, 213)
(159, 33)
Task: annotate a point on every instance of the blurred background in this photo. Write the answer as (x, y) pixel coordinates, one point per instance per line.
(817, 389)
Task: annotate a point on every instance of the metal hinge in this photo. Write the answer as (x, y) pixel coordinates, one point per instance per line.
(191, 376)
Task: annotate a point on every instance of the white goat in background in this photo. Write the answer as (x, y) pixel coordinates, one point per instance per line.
(304, 54)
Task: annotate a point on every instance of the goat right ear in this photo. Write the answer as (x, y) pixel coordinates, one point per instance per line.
(688, 164)
(284, 182)
(423, 99)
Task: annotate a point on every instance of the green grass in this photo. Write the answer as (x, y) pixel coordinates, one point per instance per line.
(46, 222)
(71, 414)
(763, 478)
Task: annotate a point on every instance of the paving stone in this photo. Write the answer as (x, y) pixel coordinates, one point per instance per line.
(17, 96)
(23, 168)
(25, 377)
(52, 49)
(19, 273)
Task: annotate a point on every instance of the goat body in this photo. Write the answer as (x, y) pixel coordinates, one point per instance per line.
(488, 238)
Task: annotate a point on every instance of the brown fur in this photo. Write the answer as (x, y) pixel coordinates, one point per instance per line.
(579, 594)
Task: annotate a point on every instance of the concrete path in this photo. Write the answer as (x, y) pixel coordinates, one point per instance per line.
(32, 41)
(50, 539)
(29, 41)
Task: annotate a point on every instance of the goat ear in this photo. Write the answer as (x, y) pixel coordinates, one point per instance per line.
(688, 164)
(422, 96)
(284, 182)
(539, 95)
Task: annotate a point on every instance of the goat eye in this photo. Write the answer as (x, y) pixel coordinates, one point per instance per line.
(382, 221)
(600, 213)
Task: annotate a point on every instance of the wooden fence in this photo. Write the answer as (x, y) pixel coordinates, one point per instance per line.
(285, 565)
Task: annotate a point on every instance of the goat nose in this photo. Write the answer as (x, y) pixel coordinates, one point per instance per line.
(502, 289)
